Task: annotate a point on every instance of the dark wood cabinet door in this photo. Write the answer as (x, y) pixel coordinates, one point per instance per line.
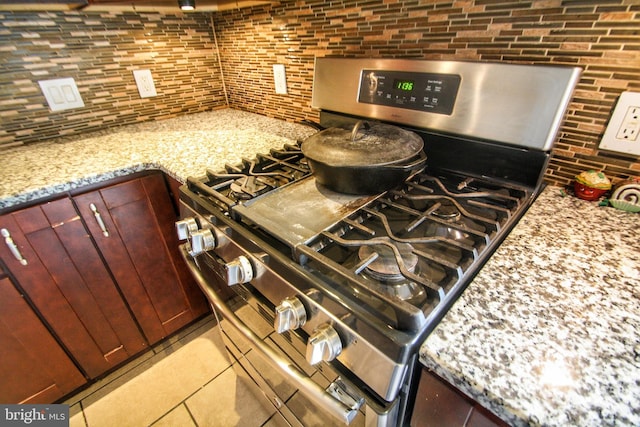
(70, 286)
(140, 248)
(33, 366)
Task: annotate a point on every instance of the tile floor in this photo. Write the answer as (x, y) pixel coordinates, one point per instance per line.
(187, 381)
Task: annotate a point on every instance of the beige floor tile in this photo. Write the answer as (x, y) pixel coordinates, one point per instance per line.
(151, 394)
(112, 380)
(76, 417)
(179, 417)
(229, 400)
(276, 420)
(142, 362)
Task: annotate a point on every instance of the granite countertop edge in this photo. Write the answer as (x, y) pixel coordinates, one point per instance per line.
(47, 191)
(180, 147)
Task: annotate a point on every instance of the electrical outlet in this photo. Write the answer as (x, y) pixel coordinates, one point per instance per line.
(623, 130)
(144, 81)
(280, 79)
(630, 125)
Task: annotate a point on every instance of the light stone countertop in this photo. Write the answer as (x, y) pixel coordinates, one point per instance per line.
(548, 333)
(181, 147)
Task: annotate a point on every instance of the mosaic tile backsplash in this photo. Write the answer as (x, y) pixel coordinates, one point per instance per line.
(100, 51)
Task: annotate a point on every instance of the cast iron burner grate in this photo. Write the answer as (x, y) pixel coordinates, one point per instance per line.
(252, 177)
(408, 250)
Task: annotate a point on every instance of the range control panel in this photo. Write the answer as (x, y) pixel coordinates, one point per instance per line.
(433, 93)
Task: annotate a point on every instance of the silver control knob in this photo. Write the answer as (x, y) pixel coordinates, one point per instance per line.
(186, 227)
(239, 271)
(290, 315)
(324, 345)
(202, 241)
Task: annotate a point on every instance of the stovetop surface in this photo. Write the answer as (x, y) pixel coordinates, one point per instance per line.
(403, 255)
(414, 248)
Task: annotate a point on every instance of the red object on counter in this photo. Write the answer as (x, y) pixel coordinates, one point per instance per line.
(585, 192)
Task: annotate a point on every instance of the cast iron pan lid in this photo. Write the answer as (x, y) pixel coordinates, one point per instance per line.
(373, 144)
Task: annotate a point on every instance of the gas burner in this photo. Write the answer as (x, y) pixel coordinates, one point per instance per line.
(447, 211)
(247, 187)
(408, 291)
(382, 264)
(450, 214)
(382, 267)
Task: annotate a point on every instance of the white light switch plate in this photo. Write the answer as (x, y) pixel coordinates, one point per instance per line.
(144, 81)
(623, 132)
(61, 94)
(280, 79)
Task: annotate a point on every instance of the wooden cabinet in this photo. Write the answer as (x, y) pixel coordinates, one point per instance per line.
(139, 244)
(33, 366)
(69, 285)
(439, 404)
(102, 279)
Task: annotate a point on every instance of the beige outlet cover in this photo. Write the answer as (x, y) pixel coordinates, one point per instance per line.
(144, 81)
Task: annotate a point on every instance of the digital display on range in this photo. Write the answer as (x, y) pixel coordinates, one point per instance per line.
(406, 85)
(428, 92)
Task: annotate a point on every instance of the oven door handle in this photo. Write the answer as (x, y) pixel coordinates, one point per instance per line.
(299, 379)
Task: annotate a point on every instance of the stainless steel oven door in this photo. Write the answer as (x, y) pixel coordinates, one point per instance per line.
(303, 394)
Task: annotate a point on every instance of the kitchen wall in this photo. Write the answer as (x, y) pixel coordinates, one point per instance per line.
(601, 37)
(100, 51)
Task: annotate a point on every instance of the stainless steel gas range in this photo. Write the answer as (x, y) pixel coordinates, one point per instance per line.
(324, 298)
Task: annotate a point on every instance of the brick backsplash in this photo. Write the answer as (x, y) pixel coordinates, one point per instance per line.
(601, 37)
(100, 50)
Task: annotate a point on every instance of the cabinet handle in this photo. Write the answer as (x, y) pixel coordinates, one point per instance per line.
(12, 246)
(99, 219)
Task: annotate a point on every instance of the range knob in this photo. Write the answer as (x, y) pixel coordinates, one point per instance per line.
(290, 315)
(239, 271)
(323, 345)
(186, 227)
(372, 82)
(202, 241)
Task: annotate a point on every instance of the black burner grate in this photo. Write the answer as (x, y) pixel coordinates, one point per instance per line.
(252, 177)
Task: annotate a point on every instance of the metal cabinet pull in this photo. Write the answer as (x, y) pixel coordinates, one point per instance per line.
(12, 246)
(99, 219)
